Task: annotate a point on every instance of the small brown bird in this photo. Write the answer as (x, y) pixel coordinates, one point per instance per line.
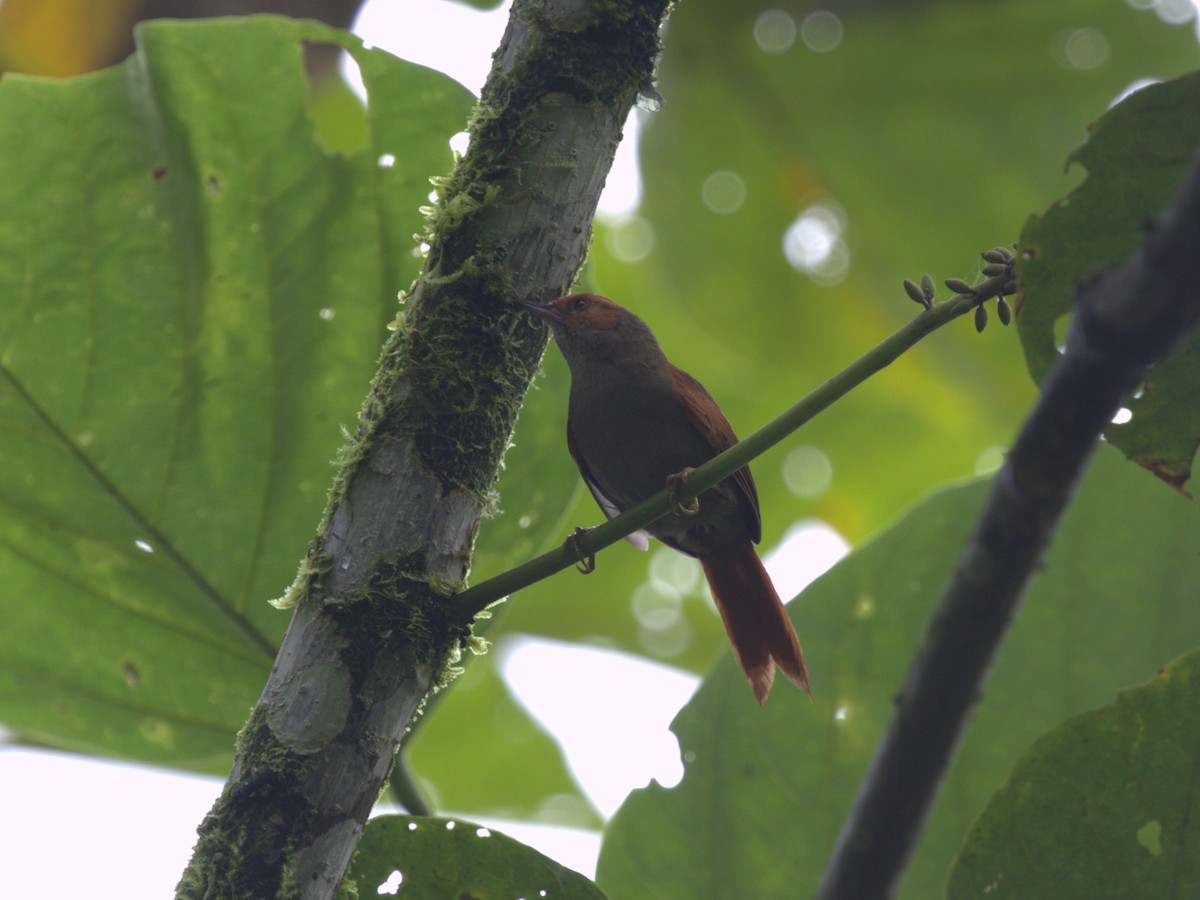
(634, 421)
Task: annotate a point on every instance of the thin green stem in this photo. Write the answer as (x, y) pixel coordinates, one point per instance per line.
(405, 790)
(474, 600)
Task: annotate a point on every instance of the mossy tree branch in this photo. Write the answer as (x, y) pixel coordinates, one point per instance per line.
(372, 632)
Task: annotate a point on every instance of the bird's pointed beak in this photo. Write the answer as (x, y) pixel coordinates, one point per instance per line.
(541, 310)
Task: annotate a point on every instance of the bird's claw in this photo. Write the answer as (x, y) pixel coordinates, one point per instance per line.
(674, 484)
(585, 563)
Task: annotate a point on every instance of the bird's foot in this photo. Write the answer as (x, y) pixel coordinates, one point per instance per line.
(676, 482)
(585, 563)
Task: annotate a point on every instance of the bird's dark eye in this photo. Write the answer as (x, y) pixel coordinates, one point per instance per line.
(580, 304)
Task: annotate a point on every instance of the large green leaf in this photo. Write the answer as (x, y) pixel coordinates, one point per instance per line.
(1135, 159)
(1102, 807)
(195, 295)
(764, 793)
(432, 857)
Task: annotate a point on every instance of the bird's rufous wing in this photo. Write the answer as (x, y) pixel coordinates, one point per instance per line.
(702, 411)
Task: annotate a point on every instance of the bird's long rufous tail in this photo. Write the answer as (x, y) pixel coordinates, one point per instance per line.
(755, 619)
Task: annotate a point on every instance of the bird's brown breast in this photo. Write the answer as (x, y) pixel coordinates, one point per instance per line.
(630, 434)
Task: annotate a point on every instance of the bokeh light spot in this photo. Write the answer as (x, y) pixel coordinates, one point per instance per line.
(813, 244)
(821, 31)
(1082, 49)
(807, 472)
(723, 192)
(630, 239)
(775, 31)
(1175, 12)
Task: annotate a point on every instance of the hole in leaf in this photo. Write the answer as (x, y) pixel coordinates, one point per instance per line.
(1150, 837)
(131, 673)
(1062, 328)
(392, 884)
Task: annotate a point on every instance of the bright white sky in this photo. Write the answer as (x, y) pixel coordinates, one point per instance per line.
(128, 831)
(459, 41)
